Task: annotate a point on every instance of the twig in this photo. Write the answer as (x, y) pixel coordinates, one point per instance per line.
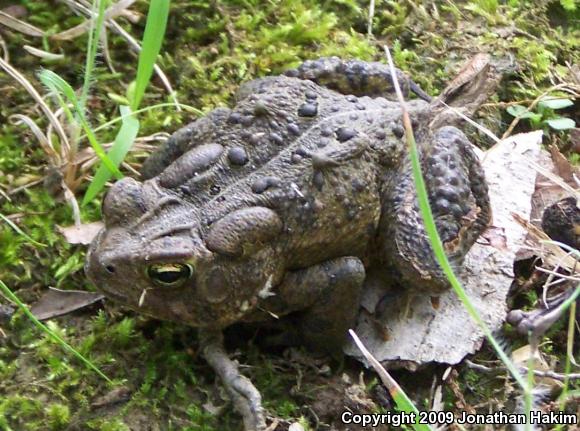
(112, 12)
(554, 273)
(550, 374)
(371, 16)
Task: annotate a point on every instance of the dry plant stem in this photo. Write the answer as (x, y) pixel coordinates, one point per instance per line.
(552, 280)
(5, 52)
(388, 381)
(70, 197)
(20, 26)
(555, 273)
(5, 195)
(537, 373)
(39, 135)
(556, 179)
(552, 253)
(112, 12)
(32, 91)
(132, 43)
(479, 127)
(107, 52)
(246, 398)
(371, 16)
(25, 186)
(45, 55)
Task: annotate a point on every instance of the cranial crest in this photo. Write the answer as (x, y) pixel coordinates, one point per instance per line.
(241, 228)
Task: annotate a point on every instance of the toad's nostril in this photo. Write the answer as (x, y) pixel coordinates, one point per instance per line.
(110, 269)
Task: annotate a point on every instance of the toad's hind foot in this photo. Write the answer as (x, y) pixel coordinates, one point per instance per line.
(246, 398)
(459, 202)
(360, 78)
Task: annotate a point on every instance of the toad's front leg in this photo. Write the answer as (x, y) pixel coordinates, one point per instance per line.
(325, 298)
(246, 398)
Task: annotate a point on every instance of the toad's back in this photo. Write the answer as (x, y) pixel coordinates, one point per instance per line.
(314, 156)
(297, 180)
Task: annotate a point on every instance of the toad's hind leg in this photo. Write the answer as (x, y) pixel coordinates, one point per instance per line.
(459, 202)
(356, 77)
(328, 296)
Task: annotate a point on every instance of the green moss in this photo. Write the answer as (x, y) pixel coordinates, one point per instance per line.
(58, 416)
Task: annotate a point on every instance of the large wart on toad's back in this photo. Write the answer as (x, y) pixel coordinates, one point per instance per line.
(282, 205)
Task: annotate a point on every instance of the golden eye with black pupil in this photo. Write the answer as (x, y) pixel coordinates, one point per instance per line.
(169, 274)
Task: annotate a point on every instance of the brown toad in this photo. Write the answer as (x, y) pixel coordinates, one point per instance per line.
(281, 205)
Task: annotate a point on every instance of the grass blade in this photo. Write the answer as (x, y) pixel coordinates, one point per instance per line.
(404, 403)
(152, 40)
(435, 240)
(20, 231)
(187, 108)
(123, 142)
(59, 86)
(93, 44)
(10, 295)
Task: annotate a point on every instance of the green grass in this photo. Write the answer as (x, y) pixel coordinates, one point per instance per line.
(150, 48)
(60, 87)
(53, 335)
(97, 26)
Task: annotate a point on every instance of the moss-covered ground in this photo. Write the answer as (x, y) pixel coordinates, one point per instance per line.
(160, 380)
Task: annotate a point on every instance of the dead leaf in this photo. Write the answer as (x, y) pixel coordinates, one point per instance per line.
(57, 302)
(117, 395)
(448, 334)
(496, 237)
(575, 140)
(82, 234)
(563, 167)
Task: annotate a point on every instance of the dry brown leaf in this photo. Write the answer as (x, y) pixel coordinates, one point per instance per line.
(496, 237)
(563, 167)
(82, 234)
(117, 395)
(57, 302)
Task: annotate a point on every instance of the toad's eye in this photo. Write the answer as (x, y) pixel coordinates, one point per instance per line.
(169, 274)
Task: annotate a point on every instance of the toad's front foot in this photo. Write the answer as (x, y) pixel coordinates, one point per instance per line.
(246, 398)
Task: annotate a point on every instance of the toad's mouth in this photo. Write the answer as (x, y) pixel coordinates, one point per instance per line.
(113, 294)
